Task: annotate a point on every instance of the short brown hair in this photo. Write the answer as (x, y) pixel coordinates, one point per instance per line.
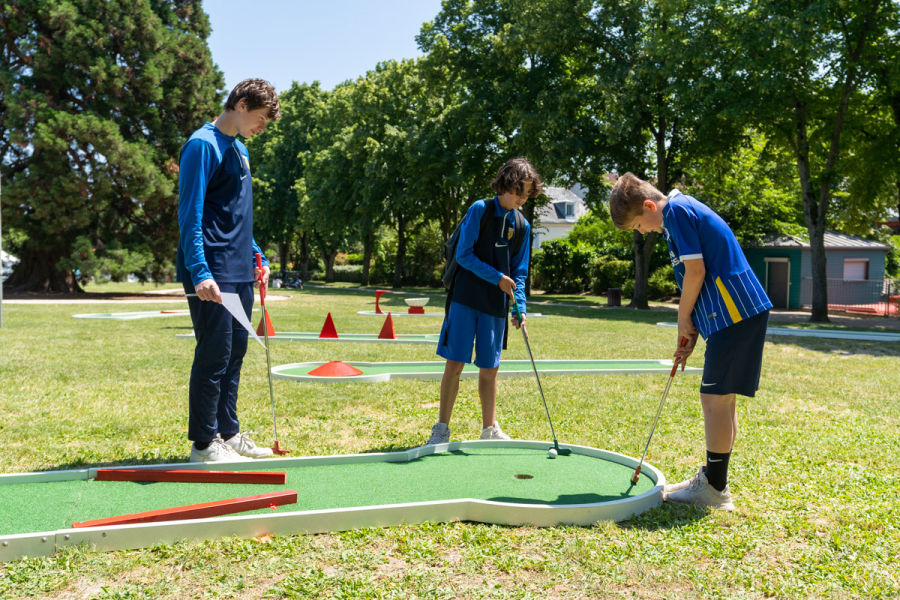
(626, 200)
(512, 176)
(256, 93)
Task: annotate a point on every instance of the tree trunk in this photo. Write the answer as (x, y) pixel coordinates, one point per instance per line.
(304, 257)
(328, 258)
(643, 250)
(37, 272)
(401, 253)
(815, 221)
(283, 256)
(368, 249)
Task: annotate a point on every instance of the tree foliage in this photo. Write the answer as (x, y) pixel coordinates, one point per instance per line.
(96, 99)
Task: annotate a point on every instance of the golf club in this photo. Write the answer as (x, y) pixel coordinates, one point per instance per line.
(662, 401)
(559, 451)
(276, 449)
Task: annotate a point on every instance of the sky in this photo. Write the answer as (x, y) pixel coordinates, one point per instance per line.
(307, 40)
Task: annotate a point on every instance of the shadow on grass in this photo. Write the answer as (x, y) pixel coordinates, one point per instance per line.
(127, 462)
(837, 347)
(666, 516)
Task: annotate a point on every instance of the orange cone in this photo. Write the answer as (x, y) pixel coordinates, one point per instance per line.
(335, 368)
(328, 329)
(267, 322)
(387, 330)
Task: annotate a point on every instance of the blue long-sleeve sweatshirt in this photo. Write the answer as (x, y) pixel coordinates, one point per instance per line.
(465, 249)
(215, 210)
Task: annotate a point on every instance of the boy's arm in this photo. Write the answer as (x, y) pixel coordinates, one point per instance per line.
(694, 272)
(519, 268)
(465, 247)
(194, 172)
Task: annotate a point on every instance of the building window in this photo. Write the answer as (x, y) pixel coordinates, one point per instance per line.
(570, 209)
(856, 269)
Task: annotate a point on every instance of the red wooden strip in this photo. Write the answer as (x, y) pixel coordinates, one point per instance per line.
(188, 476)
(198, 511)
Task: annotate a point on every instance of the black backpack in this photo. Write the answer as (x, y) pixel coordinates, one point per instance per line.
(450, 264)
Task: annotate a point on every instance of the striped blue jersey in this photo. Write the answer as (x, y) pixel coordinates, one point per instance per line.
(731, 291)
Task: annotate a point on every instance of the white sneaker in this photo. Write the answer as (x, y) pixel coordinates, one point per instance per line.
(683, 485)
(493, 433)
(243, 445)
(701, 493)
(440, 434)
(217, 451)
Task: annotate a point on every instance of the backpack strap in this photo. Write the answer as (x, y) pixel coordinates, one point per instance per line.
(485, 225)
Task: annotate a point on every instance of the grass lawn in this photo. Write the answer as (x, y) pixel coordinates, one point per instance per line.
(814, 471)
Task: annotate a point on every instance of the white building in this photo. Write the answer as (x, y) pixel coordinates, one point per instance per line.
(7, 262)
(557, 218)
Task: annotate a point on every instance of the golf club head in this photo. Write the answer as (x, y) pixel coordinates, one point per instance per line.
(636, 476)
(561, 451)
(278, 450)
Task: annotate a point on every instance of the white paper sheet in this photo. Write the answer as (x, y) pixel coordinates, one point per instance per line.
(232, 302)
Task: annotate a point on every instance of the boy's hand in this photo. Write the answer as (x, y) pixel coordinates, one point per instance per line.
(683, 352)
(265, 276)
(508, 286)
(208, 290)
(515, 321)
(686, 328)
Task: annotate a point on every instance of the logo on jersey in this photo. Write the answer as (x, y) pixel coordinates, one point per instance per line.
(510, 234)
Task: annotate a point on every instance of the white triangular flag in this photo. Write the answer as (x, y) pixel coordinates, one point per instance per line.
(232, 302)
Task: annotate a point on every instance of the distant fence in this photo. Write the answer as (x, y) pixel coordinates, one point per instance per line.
(873, 297)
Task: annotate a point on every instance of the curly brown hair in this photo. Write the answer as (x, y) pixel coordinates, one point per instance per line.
(512, 176)
(626, 200)
(256, 93)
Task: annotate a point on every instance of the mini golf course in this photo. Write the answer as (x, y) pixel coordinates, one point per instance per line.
(832, 334)
(366, 372)
(502, 482)
(296, 336)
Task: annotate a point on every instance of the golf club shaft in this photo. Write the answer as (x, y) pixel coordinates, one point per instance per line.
(262, 300)
(662, 401)
(534, 367)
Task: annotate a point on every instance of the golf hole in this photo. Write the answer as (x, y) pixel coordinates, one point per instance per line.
(520, 476)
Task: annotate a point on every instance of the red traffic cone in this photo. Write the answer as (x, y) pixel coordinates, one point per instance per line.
(328, 329)
(265, 321)
(387, 330)
(335, 368)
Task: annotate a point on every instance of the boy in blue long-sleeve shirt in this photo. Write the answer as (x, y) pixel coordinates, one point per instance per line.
(216, 252)
(492, 271)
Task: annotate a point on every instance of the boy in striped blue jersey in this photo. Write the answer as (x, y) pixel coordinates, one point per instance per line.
(721, 300)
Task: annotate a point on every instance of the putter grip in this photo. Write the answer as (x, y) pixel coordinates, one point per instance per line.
(682, 343)
(262, 288)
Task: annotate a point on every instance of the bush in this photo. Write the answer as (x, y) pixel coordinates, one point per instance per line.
(628, 288)
(348, 273)
(563, 268)
(615, 273)
(599, 284)
(662, 284)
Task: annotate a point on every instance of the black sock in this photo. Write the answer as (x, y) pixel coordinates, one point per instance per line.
(227, 436)
(717, 469)
(201, 445)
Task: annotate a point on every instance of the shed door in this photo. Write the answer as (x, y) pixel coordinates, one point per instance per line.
(778, 284)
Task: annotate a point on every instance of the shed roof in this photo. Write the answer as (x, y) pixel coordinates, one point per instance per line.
(833, 240)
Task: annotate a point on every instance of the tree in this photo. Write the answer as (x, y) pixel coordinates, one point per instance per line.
(807, 67)
(96, 98)
(278, 154)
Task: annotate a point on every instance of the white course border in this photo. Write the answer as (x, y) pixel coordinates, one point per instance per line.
(125, 537)
(524, 370)
(832, 334)
(359, 338)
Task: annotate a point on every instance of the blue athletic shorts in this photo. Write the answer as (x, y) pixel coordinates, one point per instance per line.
(733, 359)
(470, 327)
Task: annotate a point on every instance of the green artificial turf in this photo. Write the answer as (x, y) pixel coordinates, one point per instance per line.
(479, 473)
